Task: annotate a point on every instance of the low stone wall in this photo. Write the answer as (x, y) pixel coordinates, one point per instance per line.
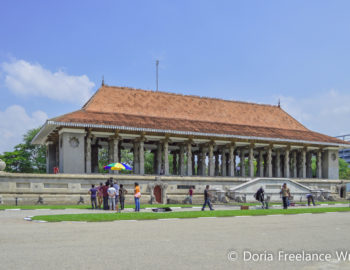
(69, 188)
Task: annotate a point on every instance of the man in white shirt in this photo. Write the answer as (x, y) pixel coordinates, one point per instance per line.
(111, 197)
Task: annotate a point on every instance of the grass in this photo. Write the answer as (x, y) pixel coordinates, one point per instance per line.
(39, 206)
(187, 214)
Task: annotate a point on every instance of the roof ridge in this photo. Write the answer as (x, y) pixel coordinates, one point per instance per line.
(292, 117)
(183, 95)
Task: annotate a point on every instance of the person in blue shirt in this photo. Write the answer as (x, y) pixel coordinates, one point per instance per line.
(93, 194)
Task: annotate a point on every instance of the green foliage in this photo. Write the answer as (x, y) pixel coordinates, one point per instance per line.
(313, 166)
(344, 170)
(102, 159)
(149, 162)
(26, 158)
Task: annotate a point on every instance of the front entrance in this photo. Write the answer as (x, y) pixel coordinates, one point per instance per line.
(158, 194)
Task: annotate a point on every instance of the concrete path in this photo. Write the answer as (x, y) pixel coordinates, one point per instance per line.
(203, 243)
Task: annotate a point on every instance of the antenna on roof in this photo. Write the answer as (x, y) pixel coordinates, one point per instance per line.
(279, 103)
(103, 80)
(157, 64)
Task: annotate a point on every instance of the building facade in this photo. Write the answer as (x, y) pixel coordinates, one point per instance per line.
(205, 136)
(345, 152)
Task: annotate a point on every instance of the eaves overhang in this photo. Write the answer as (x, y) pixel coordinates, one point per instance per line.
(50, 125)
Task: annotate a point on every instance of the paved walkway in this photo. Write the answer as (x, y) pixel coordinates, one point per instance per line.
(202, 243)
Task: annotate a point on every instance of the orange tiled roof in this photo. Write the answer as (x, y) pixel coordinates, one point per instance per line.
(127, 107)
(175, 106)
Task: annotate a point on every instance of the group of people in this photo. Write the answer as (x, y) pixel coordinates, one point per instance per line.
(285, 195)
(110, 194)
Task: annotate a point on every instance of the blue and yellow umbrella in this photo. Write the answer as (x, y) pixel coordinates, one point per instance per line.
(118, 167)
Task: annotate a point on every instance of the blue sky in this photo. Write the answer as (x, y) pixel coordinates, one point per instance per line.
(54, 53)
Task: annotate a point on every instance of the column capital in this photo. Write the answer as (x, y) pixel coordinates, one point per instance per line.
(287, 148)
(230, 144)
(189, 141)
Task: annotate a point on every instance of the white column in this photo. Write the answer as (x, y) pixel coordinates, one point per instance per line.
(217, 169)
(182, 160)
(116, 151)
(136, 158)
(113, 151)
(261, 164)
(309, 164)
(278, 163)
(231, 171)
(319, 164)
(269, 162)
(211, 164)
(141, 157)
(251, 161)
(286, 164)
(303, 163)
(295, 164)
(223, 162)
(242, 163)
(159, 158)
(189, 159)
(88, 154)
(166, 157)
(203, 158)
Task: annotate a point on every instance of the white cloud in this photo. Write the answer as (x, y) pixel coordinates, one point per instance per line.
(26, 79)
(327, 112)
(14, 123)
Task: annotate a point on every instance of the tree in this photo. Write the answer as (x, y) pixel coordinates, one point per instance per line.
(26, 158)
(344, 170)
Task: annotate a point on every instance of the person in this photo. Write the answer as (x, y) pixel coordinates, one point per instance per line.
(111, 195)
(116, 186)
(100, 195)
(93, 192)
(260, 196)
(189, 197)
(190, 194)
(105, 196)
(122, 193)
(310, 198)
(285, 193)
(110, 181)
(207, 199)
(137, 196)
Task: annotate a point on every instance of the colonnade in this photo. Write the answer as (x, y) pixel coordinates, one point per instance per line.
(212, 158)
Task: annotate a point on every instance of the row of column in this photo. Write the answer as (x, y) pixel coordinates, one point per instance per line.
(221, 162)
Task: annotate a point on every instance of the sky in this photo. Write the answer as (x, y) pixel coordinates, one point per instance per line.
(53, 55)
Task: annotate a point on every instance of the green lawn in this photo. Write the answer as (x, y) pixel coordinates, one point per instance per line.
(187, 214)
(39, 206)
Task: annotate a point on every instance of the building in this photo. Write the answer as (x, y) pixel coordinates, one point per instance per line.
(344, 153)
(206, 136)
